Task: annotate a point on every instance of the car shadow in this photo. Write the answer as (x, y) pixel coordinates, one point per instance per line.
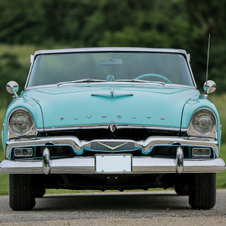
(114, 202)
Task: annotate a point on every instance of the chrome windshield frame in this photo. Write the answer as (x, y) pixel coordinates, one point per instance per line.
(116, 49)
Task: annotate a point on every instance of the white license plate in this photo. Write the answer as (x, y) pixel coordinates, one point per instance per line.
(113, 163)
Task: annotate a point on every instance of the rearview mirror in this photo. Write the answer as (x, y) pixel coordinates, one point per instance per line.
(110, 62)
(12, 87)
(209, 86)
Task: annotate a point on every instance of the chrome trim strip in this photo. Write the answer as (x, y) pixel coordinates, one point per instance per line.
(190, 141)
(106, 126)
(86, 165)
(145, 145)
(107, 49)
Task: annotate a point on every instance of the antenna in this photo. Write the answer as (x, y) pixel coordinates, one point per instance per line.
(209, 86)
(208, 54)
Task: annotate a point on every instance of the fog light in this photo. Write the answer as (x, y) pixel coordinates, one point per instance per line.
(201, 152)
(23, 152)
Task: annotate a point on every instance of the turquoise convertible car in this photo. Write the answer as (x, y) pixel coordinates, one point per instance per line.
(111, 118)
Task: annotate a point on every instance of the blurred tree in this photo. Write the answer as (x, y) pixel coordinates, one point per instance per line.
(21, 21)
(10, 69)
(144, 23)
(204, 19)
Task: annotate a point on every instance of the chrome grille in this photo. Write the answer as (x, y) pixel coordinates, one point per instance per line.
(112, 146)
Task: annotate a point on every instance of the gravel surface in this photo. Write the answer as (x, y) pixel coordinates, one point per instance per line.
(140, 208)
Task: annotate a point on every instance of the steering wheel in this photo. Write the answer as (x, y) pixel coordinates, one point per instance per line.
(154, 75)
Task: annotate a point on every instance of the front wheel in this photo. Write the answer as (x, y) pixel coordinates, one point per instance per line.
(21, 192)
(202, 191)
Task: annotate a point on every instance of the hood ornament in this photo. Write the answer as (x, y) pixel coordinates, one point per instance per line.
(112, 127)
(112, 94)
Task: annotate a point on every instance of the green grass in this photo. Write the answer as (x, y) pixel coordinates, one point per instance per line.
(221, 177)
(22, 51)
(219, 101)
(4, 178)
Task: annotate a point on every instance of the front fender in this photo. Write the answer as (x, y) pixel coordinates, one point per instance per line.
(28, 104)
(192, 106)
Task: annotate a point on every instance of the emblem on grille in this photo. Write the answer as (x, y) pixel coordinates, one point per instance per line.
(112, 127)
(112, 148)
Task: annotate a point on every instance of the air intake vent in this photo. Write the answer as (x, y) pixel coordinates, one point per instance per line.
(112, 146)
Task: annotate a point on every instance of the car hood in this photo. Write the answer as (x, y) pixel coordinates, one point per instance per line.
(72, 105)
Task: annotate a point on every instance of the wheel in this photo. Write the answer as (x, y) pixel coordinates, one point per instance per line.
(154, 75)
(181, 189)
(21, 192)
(39, 191)
(202, 191)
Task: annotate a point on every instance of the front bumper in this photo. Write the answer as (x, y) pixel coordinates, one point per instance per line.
(86, 165)
(139, 165)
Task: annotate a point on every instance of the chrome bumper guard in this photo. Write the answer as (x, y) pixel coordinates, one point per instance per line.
(86, 165)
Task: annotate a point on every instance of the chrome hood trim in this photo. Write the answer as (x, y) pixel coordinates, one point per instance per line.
(107, 126)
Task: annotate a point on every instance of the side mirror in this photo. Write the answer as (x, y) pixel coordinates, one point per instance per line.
(12, 87)
(209, 86)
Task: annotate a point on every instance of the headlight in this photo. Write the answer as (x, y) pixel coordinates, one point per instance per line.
(20, 122)
(203, 121)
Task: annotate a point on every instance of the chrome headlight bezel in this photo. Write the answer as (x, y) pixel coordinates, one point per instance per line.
(199, 117)
(22, 115)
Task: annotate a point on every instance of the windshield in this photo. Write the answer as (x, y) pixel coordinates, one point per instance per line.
(110, 66)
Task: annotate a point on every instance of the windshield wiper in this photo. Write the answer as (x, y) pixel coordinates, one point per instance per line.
(139, 80)
(101, 80)
(81, 81)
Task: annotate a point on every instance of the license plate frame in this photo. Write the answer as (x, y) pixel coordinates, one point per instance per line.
(107, 163)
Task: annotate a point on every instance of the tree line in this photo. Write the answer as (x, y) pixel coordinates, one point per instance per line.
(183, 24)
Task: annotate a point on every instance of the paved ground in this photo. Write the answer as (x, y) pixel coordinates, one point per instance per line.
(146, 208)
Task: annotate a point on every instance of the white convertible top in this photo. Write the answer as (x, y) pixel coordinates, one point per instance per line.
(105, 49)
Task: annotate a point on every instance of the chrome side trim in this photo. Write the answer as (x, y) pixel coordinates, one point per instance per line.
(86, 165)
(78, 145)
